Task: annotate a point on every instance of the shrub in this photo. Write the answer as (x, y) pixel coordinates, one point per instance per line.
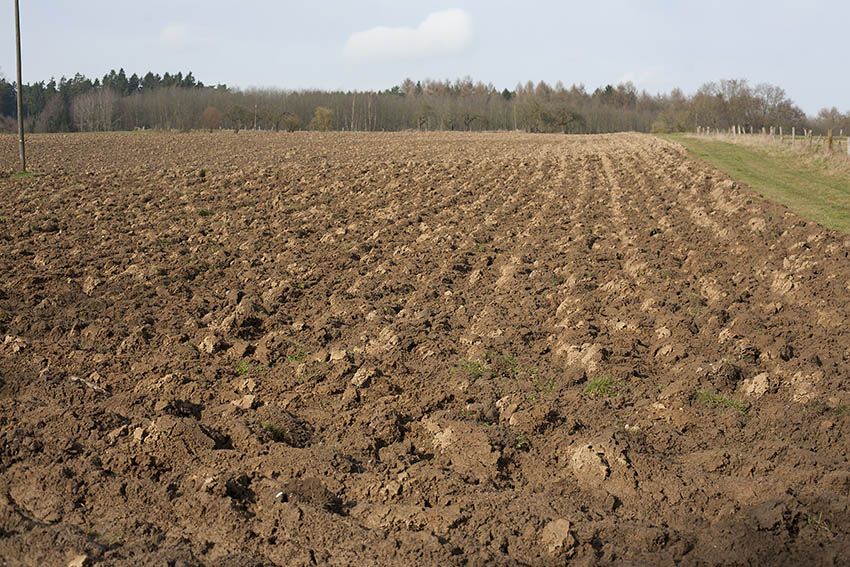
(323, 118)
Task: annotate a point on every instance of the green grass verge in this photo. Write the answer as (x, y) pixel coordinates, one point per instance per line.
(809, 189)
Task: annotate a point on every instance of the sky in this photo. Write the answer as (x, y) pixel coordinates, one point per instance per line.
(803, 47)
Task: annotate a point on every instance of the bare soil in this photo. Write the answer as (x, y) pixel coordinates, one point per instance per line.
(398, 349)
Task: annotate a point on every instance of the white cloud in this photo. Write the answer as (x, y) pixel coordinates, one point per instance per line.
(445, 32)
(175, 36)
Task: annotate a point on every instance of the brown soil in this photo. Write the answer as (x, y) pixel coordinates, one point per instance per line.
(398, 349)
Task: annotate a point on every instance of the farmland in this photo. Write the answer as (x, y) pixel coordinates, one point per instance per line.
(411, 348)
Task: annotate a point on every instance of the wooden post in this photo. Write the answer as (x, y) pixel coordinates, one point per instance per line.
(829, 140)
(22, 149)
(793, 135)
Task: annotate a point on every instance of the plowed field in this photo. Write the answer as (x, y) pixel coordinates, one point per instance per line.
(399, 349)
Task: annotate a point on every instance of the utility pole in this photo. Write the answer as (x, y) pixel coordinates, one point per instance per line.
(21, 147)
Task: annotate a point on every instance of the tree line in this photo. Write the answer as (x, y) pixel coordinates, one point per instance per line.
(179, 101)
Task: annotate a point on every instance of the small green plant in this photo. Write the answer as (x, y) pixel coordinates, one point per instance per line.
(816, 407)
(277, 433)
(504, 359)
(205, 212)
(718, 400)
(466, 414)
(545, 387)
(818, 522)
(246, 367)
(299, 356)
(521, 442)
(696, 304)
(600, 386)
(23, 175)
(473, 368)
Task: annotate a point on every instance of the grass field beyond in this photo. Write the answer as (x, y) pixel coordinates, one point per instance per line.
(809, 188)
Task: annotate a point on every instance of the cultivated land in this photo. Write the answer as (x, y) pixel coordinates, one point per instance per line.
(242, 349)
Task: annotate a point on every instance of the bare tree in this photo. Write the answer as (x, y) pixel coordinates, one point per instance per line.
(212, 118)
(94, 111)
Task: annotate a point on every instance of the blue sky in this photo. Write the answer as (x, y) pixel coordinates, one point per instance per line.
(658, 44)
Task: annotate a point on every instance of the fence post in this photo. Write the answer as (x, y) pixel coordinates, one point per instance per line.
(829, 140)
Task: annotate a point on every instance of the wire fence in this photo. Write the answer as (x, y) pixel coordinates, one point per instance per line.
(804, 141)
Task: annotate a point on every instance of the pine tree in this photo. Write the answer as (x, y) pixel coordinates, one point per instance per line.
(150, 82)
(122, 85)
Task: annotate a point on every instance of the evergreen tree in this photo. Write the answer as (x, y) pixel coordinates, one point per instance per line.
(7, 98)
(121, 85)
(150, 82)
